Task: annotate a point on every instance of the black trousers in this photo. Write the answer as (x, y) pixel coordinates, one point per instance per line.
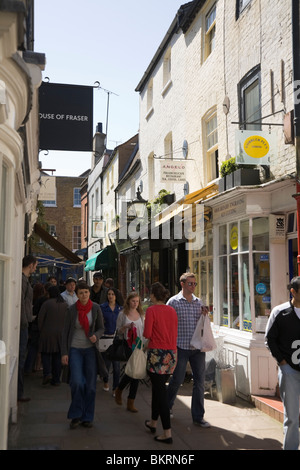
(160, 406)
(133, 386)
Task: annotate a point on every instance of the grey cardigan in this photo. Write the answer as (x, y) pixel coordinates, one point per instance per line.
(96, 328)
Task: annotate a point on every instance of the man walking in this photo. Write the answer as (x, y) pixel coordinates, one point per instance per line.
(69, 295)
(188, 308)
(98, 290)
(283, 339)
(29, 265)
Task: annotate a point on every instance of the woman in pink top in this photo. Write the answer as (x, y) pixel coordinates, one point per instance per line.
(161, 330)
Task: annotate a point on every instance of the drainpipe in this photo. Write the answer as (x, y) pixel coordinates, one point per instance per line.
(296, 80)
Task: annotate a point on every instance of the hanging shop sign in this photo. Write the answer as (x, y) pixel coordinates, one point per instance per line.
(255, 147)
(98, 229)
(172, 171)
(48, 188)
(66, 117)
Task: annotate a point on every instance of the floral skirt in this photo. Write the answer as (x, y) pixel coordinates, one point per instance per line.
(161, 361)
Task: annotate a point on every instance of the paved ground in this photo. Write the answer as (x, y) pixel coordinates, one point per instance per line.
(42, 424)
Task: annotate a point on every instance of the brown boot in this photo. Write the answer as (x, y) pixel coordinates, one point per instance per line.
(130, 405)
(118, 396)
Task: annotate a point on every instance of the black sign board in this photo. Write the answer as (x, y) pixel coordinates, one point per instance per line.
(66, 117)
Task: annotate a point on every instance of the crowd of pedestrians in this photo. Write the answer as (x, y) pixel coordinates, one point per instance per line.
(64, 324)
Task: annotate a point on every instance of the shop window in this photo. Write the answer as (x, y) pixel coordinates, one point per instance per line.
(244, 256)
(250, 100)
(210, 32)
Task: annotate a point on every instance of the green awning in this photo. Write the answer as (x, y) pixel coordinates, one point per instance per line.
(100, 260)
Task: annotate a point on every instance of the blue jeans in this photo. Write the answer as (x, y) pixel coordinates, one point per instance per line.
(289, 386)
(83, 379)
(197, 361)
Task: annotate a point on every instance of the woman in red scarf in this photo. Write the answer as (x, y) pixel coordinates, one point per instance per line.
(83, 327)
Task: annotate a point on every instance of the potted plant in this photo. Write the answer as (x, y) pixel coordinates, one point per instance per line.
(227, 169)
(235, 174)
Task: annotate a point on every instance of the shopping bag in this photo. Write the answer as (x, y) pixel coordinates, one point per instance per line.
(119, 350)
(136, 364)
(203, 338)
(104, 343)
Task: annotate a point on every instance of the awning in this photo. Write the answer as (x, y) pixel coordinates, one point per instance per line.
(56, 245)
(101, 260)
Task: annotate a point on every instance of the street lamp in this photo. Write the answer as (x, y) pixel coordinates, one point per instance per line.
(137, 207)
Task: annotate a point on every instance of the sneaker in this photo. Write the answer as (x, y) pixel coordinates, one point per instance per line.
(106, 387)
(202, 423)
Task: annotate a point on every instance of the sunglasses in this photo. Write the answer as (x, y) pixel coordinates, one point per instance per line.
(192, 283)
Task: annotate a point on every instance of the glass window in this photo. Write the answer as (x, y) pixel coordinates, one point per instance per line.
(244, 235)
(260, 234)
(223, 239)
(212, 150)
(250, 100)
(76, 237)
(210, 31)
(77, 197)
(236, 271)
(262, 284)
(223, 291)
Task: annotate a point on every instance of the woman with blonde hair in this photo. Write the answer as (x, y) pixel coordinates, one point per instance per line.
(130, 323)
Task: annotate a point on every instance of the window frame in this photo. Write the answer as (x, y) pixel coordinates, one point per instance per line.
(246, 82)
(209, 32)
(211, 152)
(241, 6)
(76, 194)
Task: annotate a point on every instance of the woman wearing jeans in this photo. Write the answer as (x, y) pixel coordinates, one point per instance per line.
(83, 327)
(161, 330)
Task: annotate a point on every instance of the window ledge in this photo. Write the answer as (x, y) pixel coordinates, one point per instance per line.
(149, 112)
(166, 87)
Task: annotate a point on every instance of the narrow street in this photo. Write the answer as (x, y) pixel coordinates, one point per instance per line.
(43, 424)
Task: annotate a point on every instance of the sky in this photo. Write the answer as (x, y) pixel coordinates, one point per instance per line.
(110, 42)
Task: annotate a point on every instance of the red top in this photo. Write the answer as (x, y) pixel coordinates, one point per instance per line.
(161, 327)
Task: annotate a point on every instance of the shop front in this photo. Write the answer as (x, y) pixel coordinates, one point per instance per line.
(253, 258)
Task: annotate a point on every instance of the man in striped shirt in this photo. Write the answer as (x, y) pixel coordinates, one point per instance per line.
(188, 308)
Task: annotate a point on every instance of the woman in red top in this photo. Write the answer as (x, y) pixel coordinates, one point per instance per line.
(161, 330)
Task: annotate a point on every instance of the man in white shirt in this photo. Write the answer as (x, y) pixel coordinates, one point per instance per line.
(69, 294)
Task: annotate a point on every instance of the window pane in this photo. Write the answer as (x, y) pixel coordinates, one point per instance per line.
(245, 235)
(210, 17)
(209, 242)
(233, 237)
(247, 324)
(223, 240)
(261, 234)
(234, 292)
(223, 291)
(262, 284)
(252, 105)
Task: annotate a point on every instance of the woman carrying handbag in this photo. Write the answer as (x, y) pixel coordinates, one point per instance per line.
(161, 330)
(130, 323)
(110, 310)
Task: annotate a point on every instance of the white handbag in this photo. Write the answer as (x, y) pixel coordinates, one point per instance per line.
(136, 366)
(105, 342)
(203, 338)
